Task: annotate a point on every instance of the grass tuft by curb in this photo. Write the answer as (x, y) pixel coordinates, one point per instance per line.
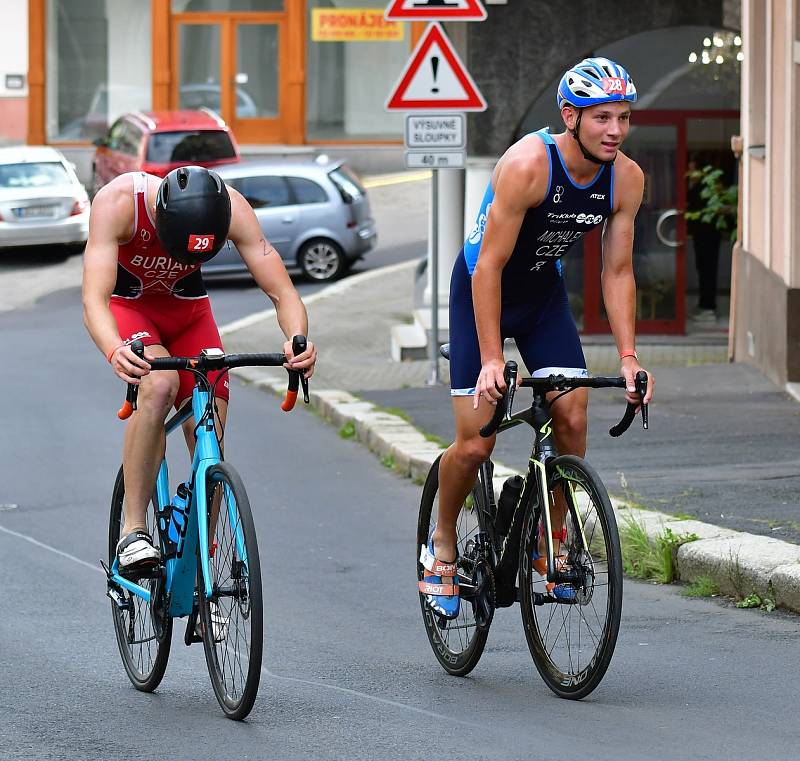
(644, 558)
(702, 586)
(348, 430)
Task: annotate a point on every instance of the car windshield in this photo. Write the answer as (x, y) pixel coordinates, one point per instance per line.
(198, 145)
(33, 175)
(348, 185)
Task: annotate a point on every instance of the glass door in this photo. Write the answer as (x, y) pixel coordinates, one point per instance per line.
(236, 65)
(659, 234)
(199, 66)
(257, 97)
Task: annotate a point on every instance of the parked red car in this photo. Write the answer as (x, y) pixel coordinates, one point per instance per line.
(158, 142)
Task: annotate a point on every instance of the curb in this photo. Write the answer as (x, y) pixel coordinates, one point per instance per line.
(738, 562)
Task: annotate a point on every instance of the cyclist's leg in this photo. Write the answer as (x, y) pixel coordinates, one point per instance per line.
(459, 465)
(553, 346)
(145, 440)
(143, 447)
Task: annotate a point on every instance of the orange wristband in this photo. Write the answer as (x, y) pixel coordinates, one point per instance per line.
(111, 353)
(628, 353)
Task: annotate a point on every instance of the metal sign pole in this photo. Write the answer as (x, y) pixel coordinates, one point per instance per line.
(433, 344)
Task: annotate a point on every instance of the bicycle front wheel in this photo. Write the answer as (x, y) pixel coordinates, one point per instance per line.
(143, 629)
(572, 641)
(232, 620)
(457, 643)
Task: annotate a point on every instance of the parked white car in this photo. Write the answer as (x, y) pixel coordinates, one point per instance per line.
(42, 201)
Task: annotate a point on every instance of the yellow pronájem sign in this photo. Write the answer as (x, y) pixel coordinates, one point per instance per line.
(354, 25)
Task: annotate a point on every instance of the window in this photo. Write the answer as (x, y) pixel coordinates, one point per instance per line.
(261, 192)
(348, 82)
(200, 145)
(98, 65)
(347, 184)
(307, 191)
(115, 135)
(131, 138)
(30, 175)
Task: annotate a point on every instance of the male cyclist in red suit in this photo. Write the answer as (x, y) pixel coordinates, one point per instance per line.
(141, 280)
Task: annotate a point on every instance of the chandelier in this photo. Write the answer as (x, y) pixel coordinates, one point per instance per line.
(718, 49)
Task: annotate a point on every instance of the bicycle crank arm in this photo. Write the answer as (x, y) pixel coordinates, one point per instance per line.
(113, 592)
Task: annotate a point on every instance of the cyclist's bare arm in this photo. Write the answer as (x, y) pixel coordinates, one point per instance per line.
(111, 220)
(520, 181)
(266, 266)
(618, 282)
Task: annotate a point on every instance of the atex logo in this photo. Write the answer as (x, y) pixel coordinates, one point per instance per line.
(559, 194)
(598, 196)
(589, 219)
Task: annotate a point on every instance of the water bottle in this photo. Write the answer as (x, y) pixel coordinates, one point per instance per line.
(509, 497)
(179, 514)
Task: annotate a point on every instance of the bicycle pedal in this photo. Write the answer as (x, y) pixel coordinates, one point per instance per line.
(152, 572)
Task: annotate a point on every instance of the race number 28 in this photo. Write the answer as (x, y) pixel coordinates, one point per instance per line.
(201, 242)
(613, 85)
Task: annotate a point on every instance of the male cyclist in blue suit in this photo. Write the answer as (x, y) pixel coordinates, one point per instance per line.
(546, 192)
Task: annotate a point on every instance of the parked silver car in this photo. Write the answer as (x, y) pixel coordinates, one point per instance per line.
(42, 202)
(314, 211)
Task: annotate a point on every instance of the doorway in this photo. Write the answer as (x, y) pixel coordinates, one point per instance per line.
(238, 64)
(664, 260)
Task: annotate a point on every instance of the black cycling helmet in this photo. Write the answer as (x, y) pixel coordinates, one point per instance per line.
(193, 214)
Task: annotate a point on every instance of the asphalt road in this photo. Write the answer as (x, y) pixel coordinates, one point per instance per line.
(348, 673)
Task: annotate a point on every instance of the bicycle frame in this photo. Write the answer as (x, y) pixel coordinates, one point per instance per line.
(181, 567)
(533, 496)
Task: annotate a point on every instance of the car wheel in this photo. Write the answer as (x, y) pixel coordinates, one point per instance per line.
(321, 260)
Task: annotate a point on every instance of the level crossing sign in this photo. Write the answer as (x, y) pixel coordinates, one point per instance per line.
(435, 79)
(435, 10)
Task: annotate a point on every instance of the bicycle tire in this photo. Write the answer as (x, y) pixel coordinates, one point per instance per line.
(568, 671)
(145, 659)
(458, 655)
(236, 593)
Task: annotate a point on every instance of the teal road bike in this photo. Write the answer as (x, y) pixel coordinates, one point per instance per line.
(209, 572)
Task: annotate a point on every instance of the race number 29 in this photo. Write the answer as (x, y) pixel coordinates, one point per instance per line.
(201, 242)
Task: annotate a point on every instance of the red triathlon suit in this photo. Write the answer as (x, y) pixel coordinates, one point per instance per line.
(161, 301)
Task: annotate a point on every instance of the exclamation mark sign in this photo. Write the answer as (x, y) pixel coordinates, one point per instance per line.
(435, 67)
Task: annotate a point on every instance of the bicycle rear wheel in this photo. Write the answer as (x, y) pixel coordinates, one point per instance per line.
(572, 642)
(143, 629)
(232, 620)
(458, 643)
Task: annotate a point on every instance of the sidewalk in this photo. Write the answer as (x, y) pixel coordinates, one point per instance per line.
(723, 446)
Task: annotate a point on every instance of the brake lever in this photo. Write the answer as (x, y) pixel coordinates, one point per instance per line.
(132, 392)
(641, 389)
(511, 384)
(299, 345)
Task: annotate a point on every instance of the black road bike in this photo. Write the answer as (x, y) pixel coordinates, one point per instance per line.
(571, 640)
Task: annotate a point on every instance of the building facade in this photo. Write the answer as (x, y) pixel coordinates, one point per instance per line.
(765, 325)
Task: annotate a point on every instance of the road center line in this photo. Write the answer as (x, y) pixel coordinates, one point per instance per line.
(367, 696)
(51, 549)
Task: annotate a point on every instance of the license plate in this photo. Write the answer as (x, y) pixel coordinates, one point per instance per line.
(28, 212)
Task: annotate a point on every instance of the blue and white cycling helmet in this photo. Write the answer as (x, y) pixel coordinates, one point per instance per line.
(593, 81)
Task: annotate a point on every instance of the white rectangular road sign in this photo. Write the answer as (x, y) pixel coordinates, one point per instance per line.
(418, 159)
(433, 131)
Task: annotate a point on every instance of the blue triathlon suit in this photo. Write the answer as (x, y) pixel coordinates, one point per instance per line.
(534, 308)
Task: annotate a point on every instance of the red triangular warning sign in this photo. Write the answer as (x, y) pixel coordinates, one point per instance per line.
(435, 10)
(435, 79)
